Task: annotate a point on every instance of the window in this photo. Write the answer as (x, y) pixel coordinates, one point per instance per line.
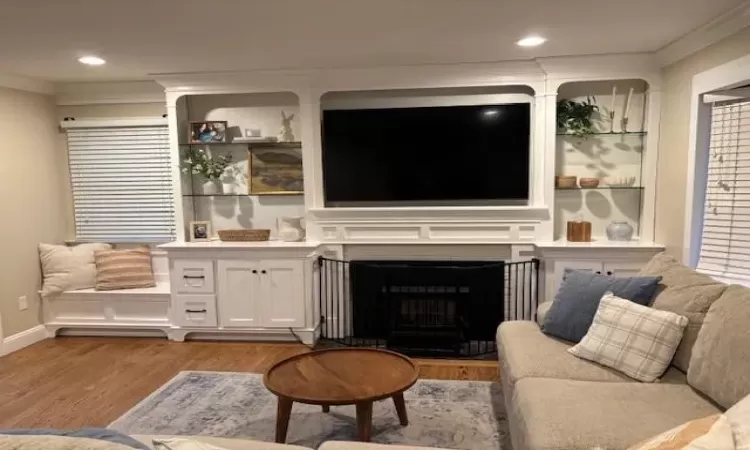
(121, 180)
(725, 240)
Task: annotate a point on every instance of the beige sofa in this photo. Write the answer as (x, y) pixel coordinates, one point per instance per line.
(557, 401)
(246, 444)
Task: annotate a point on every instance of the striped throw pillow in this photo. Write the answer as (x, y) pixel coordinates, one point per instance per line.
(124, 269)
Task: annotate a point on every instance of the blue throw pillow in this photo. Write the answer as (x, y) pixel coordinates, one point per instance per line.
(577, 300)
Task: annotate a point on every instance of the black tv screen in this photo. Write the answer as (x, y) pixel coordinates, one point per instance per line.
(445, 155)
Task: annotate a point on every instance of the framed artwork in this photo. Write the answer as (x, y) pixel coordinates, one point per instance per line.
(200, 231)
(208, 132)
(275, 169)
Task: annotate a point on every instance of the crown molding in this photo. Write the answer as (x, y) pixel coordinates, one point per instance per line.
(26, 84)
(710, 33)
(110, 92)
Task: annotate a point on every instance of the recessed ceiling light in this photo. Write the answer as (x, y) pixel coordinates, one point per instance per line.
(91, 60)
(531, 41)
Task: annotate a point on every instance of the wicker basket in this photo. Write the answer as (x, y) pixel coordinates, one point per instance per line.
(589, 183)
(244, 235)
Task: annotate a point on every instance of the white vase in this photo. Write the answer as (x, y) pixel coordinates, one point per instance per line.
(619, 231)
(212, 187)
(227, 187)
(290, 229)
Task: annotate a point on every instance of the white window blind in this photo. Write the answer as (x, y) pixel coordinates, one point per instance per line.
(725, 245)
(121, 182)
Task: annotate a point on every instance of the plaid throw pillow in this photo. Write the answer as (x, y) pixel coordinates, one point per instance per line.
(636, 340)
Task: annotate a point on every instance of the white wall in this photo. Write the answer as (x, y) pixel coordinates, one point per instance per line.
(675, 132)
(607, 157)
(32, 195)
(261, 111)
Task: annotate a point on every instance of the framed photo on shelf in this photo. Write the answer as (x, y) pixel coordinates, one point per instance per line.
(200, 231)
(275, 169)
(208, 132)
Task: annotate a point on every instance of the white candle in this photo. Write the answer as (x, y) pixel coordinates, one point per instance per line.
(627, 103)
(614, 96)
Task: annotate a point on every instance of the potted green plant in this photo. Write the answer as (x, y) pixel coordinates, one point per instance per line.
(575, 117)
(211, 168)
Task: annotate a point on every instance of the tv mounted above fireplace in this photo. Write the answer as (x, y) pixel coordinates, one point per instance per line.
(427, 156)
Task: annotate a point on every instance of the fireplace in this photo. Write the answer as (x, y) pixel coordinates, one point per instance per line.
(426, 306)
(431, 308)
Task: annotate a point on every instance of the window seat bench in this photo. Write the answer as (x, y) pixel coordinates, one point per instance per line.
(126, 312)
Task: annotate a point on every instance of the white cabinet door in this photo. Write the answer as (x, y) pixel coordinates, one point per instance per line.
(239, 299)
(283, 293)
(623, 268)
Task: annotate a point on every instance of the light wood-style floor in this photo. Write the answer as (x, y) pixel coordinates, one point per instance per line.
(75, 382)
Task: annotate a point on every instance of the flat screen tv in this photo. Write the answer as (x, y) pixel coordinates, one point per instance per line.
(444, 155)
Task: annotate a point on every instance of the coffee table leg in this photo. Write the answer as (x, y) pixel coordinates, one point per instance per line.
(283, 411)
(398, 400)
(326, 408)
(364, 421)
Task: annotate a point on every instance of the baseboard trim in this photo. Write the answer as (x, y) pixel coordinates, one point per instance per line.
(23, 339)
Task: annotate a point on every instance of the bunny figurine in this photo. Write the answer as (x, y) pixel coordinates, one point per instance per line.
(286, 134)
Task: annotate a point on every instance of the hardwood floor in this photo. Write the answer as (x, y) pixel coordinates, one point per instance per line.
(75, 382)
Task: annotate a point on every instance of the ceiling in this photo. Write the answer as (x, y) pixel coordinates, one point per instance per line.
(43, 38)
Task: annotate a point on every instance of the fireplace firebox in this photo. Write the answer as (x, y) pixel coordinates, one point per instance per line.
(423, 307)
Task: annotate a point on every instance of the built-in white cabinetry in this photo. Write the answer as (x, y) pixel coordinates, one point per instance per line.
(620, 260)
(260, 290)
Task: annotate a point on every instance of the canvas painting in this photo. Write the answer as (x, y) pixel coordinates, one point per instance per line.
(275, 171)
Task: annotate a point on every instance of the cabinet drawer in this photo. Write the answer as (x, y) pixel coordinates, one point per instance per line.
(192, 276)
(194, 310)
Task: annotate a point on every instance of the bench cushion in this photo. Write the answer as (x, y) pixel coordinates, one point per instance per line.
(554, 414)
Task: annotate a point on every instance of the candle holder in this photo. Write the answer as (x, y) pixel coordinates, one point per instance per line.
(624, 125)
(611, 121)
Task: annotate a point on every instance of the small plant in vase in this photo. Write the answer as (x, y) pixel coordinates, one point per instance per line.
(575, 117)
(211, 168)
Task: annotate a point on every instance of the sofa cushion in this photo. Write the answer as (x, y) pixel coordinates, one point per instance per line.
(579, 415)
(345, 445)
(634, 339)
(685, 292)
(224, 443)
(524, 352)
(720, 365)
(577, 300)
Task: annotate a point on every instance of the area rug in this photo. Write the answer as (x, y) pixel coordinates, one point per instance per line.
(444, 414)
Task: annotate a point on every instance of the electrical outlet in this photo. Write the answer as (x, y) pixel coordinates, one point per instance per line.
(23, 304)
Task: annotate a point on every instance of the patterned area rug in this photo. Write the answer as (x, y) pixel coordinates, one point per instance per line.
(444, 414)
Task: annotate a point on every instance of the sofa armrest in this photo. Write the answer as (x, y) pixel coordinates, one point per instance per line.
(541, 311)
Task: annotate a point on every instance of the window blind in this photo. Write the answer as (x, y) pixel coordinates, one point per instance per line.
(121, 182)
(725, 244)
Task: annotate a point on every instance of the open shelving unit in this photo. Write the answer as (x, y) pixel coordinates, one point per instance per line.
(614, 156)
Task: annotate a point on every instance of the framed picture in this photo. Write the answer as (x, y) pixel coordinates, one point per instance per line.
(200, 231)
(275, 169)
(208, 132)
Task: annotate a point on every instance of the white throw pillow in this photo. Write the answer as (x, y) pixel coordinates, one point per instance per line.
(68, 268)
(636, 340)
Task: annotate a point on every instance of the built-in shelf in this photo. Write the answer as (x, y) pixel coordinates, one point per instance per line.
(215, 195)
(607, 133)
(601, 188)
(269, 144)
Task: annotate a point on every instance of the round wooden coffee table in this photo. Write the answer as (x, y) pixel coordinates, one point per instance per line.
(346, 376)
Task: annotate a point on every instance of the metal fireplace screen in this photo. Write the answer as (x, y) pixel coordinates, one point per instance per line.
(430, 308)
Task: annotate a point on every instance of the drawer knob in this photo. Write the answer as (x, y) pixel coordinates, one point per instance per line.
(609, 272)
(263, 271)
(194, 277)
(255, 271)
(196, 311)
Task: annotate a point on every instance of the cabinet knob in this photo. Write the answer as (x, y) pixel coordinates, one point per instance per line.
(263, 271)
(255, 271)
(609, 272)
(598, 272)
